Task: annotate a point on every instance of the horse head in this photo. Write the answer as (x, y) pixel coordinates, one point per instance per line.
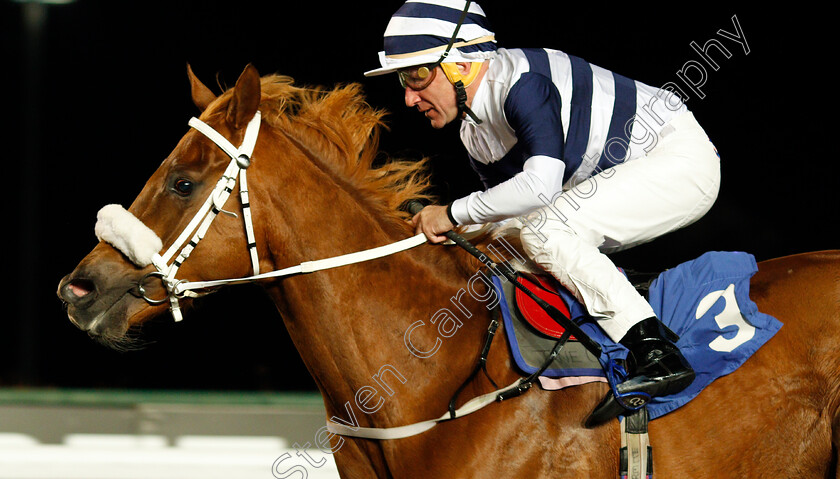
(312, 150)
(109, 291)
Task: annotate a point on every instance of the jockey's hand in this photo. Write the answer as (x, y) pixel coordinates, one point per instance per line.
(433, 222)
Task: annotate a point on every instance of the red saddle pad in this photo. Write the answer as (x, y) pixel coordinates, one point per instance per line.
(536, 316)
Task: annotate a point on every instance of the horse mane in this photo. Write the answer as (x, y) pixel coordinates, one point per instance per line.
(344, 130)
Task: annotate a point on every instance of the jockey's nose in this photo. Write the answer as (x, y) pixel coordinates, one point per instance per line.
(412, 98)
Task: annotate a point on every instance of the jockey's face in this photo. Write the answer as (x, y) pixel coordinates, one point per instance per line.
(436, 100)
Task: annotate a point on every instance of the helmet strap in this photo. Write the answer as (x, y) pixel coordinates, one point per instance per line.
(460, 83)
(452, 73)
(451, 69)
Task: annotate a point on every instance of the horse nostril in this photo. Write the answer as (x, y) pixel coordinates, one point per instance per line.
(77, 289)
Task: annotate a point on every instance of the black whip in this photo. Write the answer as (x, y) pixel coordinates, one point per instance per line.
(414, 207)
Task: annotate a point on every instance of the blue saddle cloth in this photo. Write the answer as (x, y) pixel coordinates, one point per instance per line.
(706, 302)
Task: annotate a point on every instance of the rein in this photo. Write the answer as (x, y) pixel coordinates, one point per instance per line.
(200, 223)
(176, 289)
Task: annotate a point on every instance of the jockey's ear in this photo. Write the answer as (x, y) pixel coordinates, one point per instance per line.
(246, 98)
(201, 95)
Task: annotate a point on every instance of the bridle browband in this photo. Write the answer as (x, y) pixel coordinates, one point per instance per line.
(198, 226)
(241, 159)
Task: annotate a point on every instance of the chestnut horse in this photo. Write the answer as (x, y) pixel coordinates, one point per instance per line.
(315, 193)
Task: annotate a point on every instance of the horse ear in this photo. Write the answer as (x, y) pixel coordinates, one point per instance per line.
(246, 98)
(201, 95)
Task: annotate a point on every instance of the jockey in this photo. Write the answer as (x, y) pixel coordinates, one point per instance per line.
(589, 161)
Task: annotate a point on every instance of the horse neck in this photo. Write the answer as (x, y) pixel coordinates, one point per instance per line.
(353, 325)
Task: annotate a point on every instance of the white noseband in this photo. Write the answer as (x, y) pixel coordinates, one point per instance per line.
(140, 244)
(125, 232)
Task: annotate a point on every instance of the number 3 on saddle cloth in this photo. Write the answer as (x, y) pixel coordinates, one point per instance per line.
(704, 301)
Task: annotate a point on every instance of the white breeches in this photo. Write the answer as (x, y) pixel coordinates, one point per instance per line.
(629, 204)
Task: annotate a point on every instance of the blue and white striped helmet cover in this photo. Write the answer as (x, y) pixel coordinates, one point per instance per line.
(420, 31)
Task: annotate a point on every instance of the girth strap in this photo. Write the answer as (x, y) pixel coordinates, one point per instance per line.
(636, 454)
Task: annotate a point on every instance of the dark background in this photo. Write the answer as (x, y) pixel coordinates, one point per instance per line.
(100, 96)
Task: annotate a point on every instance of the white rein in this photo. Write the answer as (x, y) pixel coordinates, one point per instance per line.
(128, 234)
(119, 228)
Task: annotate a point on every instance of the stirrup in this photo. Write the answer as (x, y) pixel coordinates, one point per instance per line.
(636, 393)
(617, 402)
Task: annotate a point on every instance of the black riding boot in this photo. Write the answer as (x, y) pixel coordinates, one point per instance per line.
(655, 366)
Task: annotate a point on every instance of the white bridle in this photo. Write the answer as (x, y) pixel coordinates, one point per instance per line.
(128, 234)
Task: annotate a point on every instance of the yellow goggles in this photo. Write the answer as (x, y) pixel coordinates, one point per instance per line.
(421, 76)
(417, 77)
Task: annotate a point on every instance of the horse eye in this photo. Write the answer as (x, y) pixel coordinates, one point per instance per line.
(183, 186)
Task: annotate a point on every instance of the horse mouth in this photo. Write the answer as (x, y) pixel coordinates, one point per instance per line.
(104, 316)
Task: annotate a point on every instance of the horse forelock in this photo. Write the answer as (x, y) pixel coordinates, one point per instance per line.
(344, 130)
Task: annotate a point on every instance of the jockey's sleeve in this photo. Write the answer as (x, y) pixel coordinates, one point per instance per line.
(532, 109)
(532, 188)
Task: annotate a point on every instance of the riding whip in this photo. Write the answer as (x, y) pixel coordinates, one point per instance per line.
(414, 207)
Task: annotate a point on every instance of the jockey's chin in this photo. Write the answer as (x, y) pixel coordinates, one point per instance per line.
(436, 119)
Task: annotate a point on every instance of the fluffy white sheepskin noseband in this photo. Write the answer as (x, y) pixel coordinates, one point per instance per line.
(122, 230)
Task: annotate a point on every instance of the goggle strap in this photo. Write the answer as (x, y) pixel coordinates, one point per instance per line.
(455, 33)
